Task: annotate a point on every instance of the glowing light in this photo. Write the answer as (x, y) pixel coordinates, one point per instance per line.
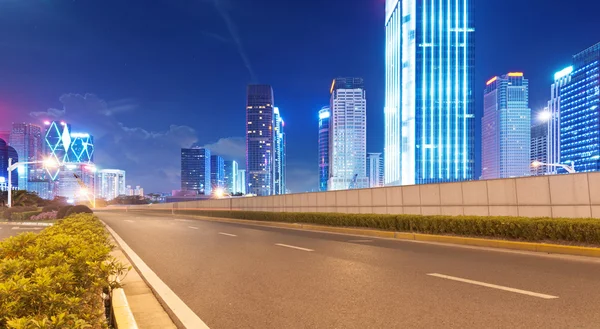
(62, 123)
(84, 191)
(544, 116)
(21, 169)
(563, 73)
(47, 123)
(2, 180)
(71, 201)
(276, 110)
(490, 81)
(219, 193)
(71, 166)
(79, 135)
(515, 74)
(332, 85)
(324, 115)
(50, 163)
(91, 168)
(536, 164)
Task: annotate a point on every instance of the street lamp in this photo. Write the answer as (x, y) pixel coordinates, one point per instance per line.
(570, 169)
(13, 166)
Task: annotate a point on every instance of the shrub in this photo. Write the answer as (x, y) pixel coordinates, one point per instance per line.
(55, 279)
(23, 216)
(52, 207)
(62, 212)
(8, 212)
(45, 216)
(515, 228)
(79, 209)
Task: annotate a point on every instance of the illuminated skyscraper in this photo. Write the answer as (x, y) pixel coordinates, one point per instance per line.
(231, 176)
(580, 113)
(561, 78)
(27, 140)
(375, 169)
(539, 146)
(57, 138)
(241, 181)
(348, 135)
(217, 172)
(324, 117)
(278, 153)
(195, 170)
(110, 183)
(506, 127)
(259, 139)
(8, 152)
(429, 93)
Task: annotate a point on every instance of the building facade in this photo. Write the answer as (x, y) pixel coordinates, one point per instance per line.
(429, 91)
(539, 147)
(27, 140)
(217, 172)
(580, 113)
(135, 191)
(231, 176)
(110, 183)
(375, 169)
(324, 119)
(348, 139)
(259, 139)
(561, 79)
(278, 153)
(506, 127)
(195, 170)
(241, 181)
(8, 152)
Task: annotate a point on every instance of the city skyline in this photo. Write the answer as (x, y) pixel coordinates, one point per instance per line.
(114, 115)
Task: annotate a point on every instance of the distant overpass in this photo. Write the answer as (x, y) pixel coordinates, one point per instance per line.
(570, 196)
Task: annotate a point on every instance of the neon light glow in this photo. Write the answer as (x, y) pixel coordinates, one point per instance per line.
(324, 114)
(490, 81)
(332, 86)
(515, 74)
(563, 73)
(79, 135)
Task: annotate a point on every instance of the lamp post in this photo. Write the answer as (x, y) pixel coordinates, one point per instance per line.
(13, 166)
(570, 169)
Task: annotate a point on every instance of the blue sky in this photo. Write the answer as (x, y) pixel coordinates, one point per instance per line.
(149, 77)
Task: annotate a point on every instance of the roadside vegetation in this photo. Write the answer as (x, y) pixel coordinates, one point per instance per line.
(557, 230)
(58, 278)
(28, 206)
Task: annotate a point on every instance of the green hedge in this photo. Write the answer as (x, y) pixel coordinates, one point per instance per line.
(24, 216)
(513, 228)
(56, 279)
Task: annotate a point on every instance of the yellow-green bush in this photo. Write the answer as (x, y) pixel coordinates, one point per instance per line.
(56, 279)
(515, 228)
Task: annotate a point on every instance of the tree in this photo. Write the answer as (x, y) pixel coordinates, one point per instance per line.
(25, 198)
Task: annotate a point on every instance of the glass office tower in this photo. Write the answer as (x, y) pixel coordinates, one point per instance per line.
(539, 146)
(231, 176)
(195, 170)
(429, 98)
(278, 153)
(259, 139)
(324, 117)
(561, 79)
(506, 127)
(217, 172)
(27, 140)
(580, 113)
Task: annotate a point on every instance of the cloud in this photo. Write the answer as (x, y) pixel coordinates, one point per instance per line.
(150, 158)
(231, 148)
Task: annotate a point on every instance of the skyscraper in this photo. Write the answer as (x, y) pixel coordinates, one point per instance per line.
(231, 176)
(27, 140)
(539, 144)
(217, 172)
(110, 183)
(348, 139)
(580, 112)
(561, 78)
(375, 169)
(195, 170)
(324, 117)
(259, 139)
(8, 152)
(278, 153)
(506, 127)
(57, 138)
(429, 93)
(241, 181)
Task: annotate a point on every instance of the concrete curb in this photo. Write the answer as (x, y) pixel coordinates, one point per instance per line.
(478, 242)
(122, 315)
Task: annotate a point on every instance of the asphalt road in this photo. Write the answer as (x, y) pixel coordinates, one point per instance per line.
(243, 276)
(8, 230)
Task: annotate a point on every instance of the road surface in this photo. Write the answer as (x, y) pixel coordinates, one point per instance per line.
(244, 276)
(8, 230)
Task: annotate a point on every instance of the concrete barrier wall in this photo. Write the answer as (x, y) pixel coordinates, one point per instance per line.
(571, 196)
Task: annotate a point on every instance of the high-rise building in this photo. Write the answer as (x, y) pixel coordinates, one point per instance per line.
(57, 139)
(27, 140)
(259, 139)
(217, 172)
(278, 153)
(69, 178)
(110, 183)
(539, 144)
(8, 152)
(348, 135)
(82, 148)
(375, 169)
(135, 191)
(561, 78)
(506, 127)
(429, 92)
(231, 176)
(195, 170)
(324, 117)
(241, 181)
(580, 112)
